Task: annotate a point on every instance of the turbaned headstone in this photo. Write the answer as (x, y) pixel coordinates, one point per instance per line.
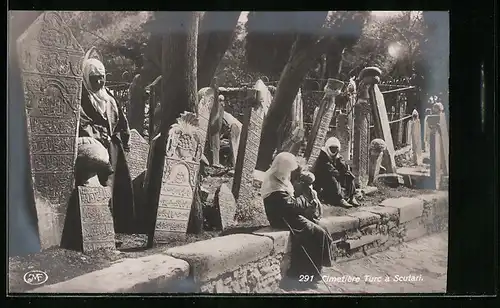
(98, 231)
(51, 64)
(182, 162)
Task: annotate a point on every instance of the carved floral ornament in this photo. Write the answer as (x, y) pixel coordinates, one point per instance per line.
(184, 138)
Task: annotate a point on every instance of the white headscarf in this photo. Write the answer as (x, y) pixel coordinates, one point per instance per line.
(332, 141)
(99, 98)
(277, 178)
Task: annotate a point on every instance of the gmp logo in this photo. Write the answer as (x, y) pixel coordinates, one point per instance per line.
(35, 277)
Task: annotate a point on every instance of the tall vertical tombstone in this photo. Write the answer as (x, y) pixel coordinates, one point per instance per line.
(255, 101)
(415, 138)
(435, 152)
(51, 65)
(180, 173)
(204, 108)
(362, 112)
(296, 132)
(343, 133)
(322, 121)
(445, 141)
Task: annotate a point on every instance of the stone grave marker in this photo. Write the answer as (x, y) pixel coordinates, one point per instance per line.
(225, 205)
(414, 136)
(137, 158)
(362, 111)
(182, 162)
(381, 122)
(322, 121)
(293, 142)
(51, 66)
(377, 149)
(435, 152)
(445, 141)
(343, 133)
(205, 103)
(98, 231)
(242, 188)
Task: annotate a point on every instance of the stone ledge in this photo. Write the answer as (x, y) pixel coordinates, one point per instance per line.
(210, 258)
(365, 218)
(281, 239)
(150, 274)
(409, 208)
(336, 224)
(386, 213)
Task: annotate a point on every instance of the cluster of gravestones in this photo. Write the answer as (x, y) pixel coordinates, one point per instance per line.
(51, 64)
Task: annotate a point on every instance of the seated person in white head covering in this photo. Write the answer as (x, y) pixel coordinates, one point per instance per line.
(286, 212)
(334, 180)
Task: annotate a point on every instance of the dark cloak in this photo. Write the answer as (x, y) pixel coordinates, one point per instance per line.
(114, 133)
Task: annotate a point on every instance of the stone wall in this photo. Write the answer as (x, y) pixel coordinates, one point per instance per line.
(257, 262)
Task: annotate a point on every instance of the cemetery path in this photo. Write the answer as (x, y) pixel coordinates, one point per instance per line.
(424, 258)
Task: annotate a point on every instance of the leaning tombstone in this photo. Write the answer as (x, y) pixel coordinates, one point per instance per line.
(322, 120)
(243, 190)
(204, 108)
(51, 66)
(180, 174)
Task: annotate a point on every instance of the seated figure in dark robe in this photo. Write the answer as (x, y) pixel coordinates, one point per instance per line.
(310, 243)
(102, 119)
(334, 179)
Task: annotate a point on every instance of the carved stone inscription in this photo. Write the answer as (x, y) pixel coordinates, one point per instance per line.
(182, 164)
(247, 159)
(50, 61)
(137, 158)
(96, 219)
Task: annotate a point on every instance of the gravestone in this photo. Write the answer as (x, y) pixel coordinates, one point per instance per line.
(296, 131)
(321, 125)
(137, 158)
(205, 103)
(182, 163)
(235, 128)
(362, 111)
(401, 113)
(343, 133)
(381, 122)
(377, 149)
(98, 231)
(51, 65)
(242, 188)
(414, 136)
(436, 154)
(225, 205)
(445, 141)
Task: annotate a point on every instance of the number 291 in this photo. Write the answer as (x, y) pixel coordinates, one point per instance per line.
(306, 278)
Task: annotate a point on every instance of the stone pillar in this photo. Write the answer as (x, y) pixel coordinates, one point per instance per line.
(343, 133)
(362, 112)
(377, 149)
(415, 139)
(435, 151)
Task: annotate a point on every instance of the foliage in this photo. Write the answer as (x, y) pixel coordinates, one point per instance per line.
(118, 35)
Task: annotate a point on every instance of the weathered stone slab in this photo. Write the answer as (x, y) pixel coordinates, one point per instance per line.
(98, 231)
(281, 239)
(336, 224)
(382, 125)
(151, 274)
(211, 258)
(364, 240)
(365, 218)
(360, 155)
(321, 126)
(50, 60)
(137, 158)
(409, 208)
(386, 213)
(182, 161)
(225, 204)
(243, 189)
(205, 103)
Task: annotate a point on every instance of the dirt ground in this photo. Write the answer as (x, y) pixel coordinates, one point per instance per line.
(61, 264)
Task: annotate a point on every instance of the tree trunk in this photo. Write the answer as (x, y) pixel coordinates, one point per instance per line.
(179, 92)
(215, 37)
(303, 53)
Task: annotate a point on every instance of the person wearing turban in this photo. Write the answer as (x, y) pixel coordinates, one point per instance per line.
(311, 244)
(102, 119)
(334, 180)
